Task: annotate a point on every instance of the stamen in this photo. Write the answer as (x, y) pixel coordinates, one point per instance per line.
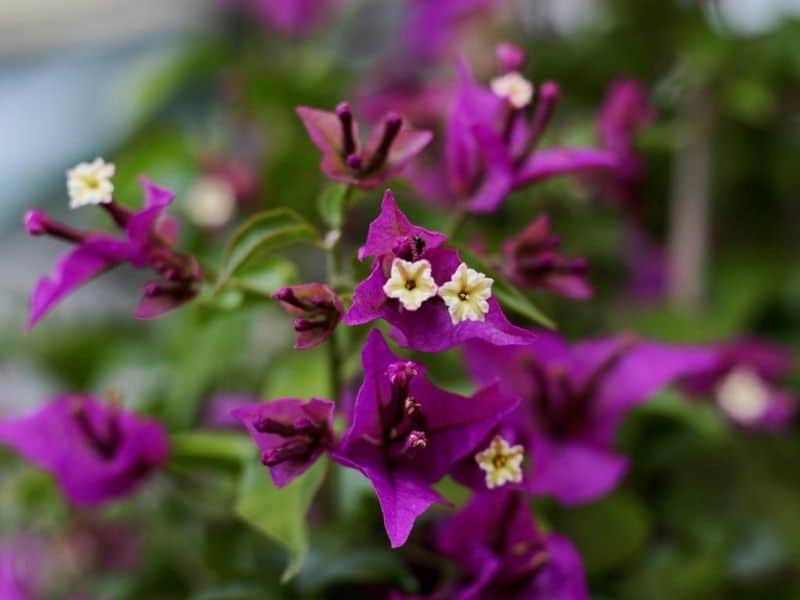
(346, 120)
(392, 127)
(287, 295)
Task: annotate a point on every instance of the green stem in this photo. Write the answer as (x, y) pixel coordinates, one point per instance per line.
(335, 277)
(455, 222)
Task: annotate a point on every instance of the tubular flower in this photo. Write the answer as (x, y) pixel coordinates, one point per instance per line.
(290, 434)
(466, 295)
(90, 183)
(96, 451)
(501, 462)
(532, 260)
(410, 282)
(503, 556)
(745, 383)
(387, 152)
(464, 308)
(147, 244)
(406, 434)
(491, 145)
(317, 311)
(572, 402)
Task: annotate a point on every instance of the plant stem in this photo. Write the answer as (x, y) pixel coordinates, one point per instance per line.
(334, 263)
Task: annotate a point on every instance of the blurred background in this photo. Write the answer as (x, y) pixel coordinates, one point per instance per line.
(200, 96)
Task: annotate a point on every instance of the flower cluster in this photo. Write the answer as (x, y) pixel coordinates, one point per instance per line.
(148, 243)
(544, 415)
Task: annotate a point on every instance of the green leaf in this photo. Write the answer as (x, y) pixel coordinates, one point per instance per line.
(332, 204)
(507, 294)
(280, 514)
(261, 233)
(210, 447)
(298, 375)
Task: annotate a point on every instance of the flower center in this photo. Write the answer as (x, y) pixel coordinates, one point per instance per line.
(467, 294)
(411, 283)
(501, 462)
(90, 183)
(512, 86)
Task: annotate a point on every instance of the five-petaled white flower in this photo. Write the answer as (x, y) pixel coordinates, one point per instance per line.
(512, 86)
(90, 183)
(502, 462)
(466, 295)
(410, 282)
(743, 396)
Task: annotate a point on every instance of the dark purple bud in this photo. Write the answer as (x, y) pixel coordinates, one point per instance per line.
(301, 325)
(294, 448)
(287, 295)
(346, 119)
(305, 426)
(38, 223)
(509, 57)
(104, 443)
(267, 425)
(409, 248)
(391, 128)
(317, 309)
(354, 162)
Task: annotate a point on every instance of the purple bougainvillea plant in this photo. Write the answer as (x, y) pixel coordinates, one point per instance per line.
(406, 434)
(430, 297)
(96, 450)
(147, 243)
(532, 415)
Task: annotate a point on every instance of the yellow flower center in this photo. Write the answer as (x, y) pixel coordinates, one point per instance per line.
(467, 294)
(411, 283)
(501, 462)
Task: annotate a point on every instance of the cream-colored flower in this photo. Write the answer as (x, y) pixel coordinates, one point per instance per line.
(210, 202)
(514, 88)
(502, 462)
(410, 282)
(466, 295)
(90, 183)
(742, 395)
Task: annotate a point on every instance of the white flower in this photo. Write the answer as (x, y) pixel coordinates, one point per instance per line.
(743, 396)
(410, 282)
(502, 462)
(514, 88)
(90, 183)
(210, 202)
(466, 295)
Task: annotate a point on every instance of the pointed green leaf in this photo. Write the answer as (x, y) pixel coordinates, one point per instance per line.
(280, 514)
(262, 233)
